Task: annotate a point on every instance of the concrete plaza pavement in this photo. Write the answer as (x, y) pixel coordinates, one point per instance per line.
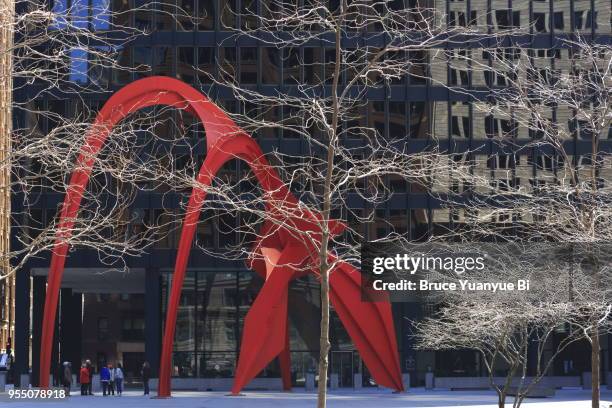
(418, 397)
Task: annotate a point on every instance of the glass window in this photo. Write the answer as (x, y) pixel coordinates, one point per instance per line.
(398, 218)
(291, 66)
(165, 16)
(304, 313)
(356, 122)
(228, 62)
(228, 14)
(248, 15)
(539, 22)
(103, 329)
(184, 338)
(185, 15)
(143, 17)
(217, 364)
(121, 12)
(184, 364)
(143, 61)
(217, 319)
(206, 15)
(418, 67)
(164, 61)
(205, 230)
(248, 65)
(329, 66)
(186, 64)
(100, 13)
(506, 19)
(270, 65)
(419, 123)
(558, 21)
(312, 66)
(377, 117)
(78, 66)
(270, 114)
(397, 120)
(124, 58)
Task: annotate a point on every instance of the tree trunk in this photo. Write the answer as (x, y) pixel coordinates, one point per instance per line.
(501, 400)
(324, 340)
(7, 13)
(325, 234)
(595, 380)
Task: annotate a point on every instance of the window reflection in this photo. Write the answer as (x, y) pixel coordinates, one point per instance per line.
(304, 314)
(216, 319)
(184, 339)
(228, 14)
(185, 15)
(78, 66)
(143, 17)
(312, 66)
(206, 64)
(397, 120)
(164, 61)
(185, 64)
(121, 12)
(291, 65)
(165, 16)
(142, 61)
(419, 120)
(206, 15)
(270, 65)
(100, 13)
(217, 365)
(248, 65)
(227, 66)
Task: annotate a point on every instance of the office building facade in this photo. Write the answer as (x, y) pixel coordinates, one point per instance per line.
(117, 317)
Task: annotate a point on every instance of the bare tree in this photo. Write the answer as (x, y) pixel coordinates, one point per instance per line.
(64, 52)
(511, 328)
(321, 103)
(538, 105)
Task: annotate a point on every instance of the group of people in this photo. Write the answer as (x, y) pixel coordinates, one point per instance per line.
(111, 378)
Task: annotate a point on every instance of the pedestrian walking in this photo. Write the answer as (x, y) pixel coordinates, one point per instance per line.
(67, 377)
(84, 379)
(104, 379)
(146, 375)
(89, 367)
(119, 378)
(111, 382)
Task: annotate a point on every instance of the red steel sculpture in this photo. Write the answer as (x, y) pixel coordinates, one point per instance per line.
(280, 254)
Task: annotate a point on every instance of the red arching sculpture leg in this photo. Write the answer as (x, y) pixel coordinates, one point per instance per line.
(370, 325)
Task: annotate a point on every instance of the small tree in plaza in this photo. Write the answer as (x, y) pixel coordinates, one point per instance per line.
(519, 333)
(551, 179)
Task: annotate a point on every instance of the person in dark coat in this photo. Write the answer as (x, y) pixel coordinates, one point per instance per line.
(91, 372)
(146, 375)
(111, 383)
(67, 377)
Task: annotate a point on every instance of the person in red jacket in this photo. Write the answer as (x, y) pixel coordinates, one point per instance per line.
(84, 379)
